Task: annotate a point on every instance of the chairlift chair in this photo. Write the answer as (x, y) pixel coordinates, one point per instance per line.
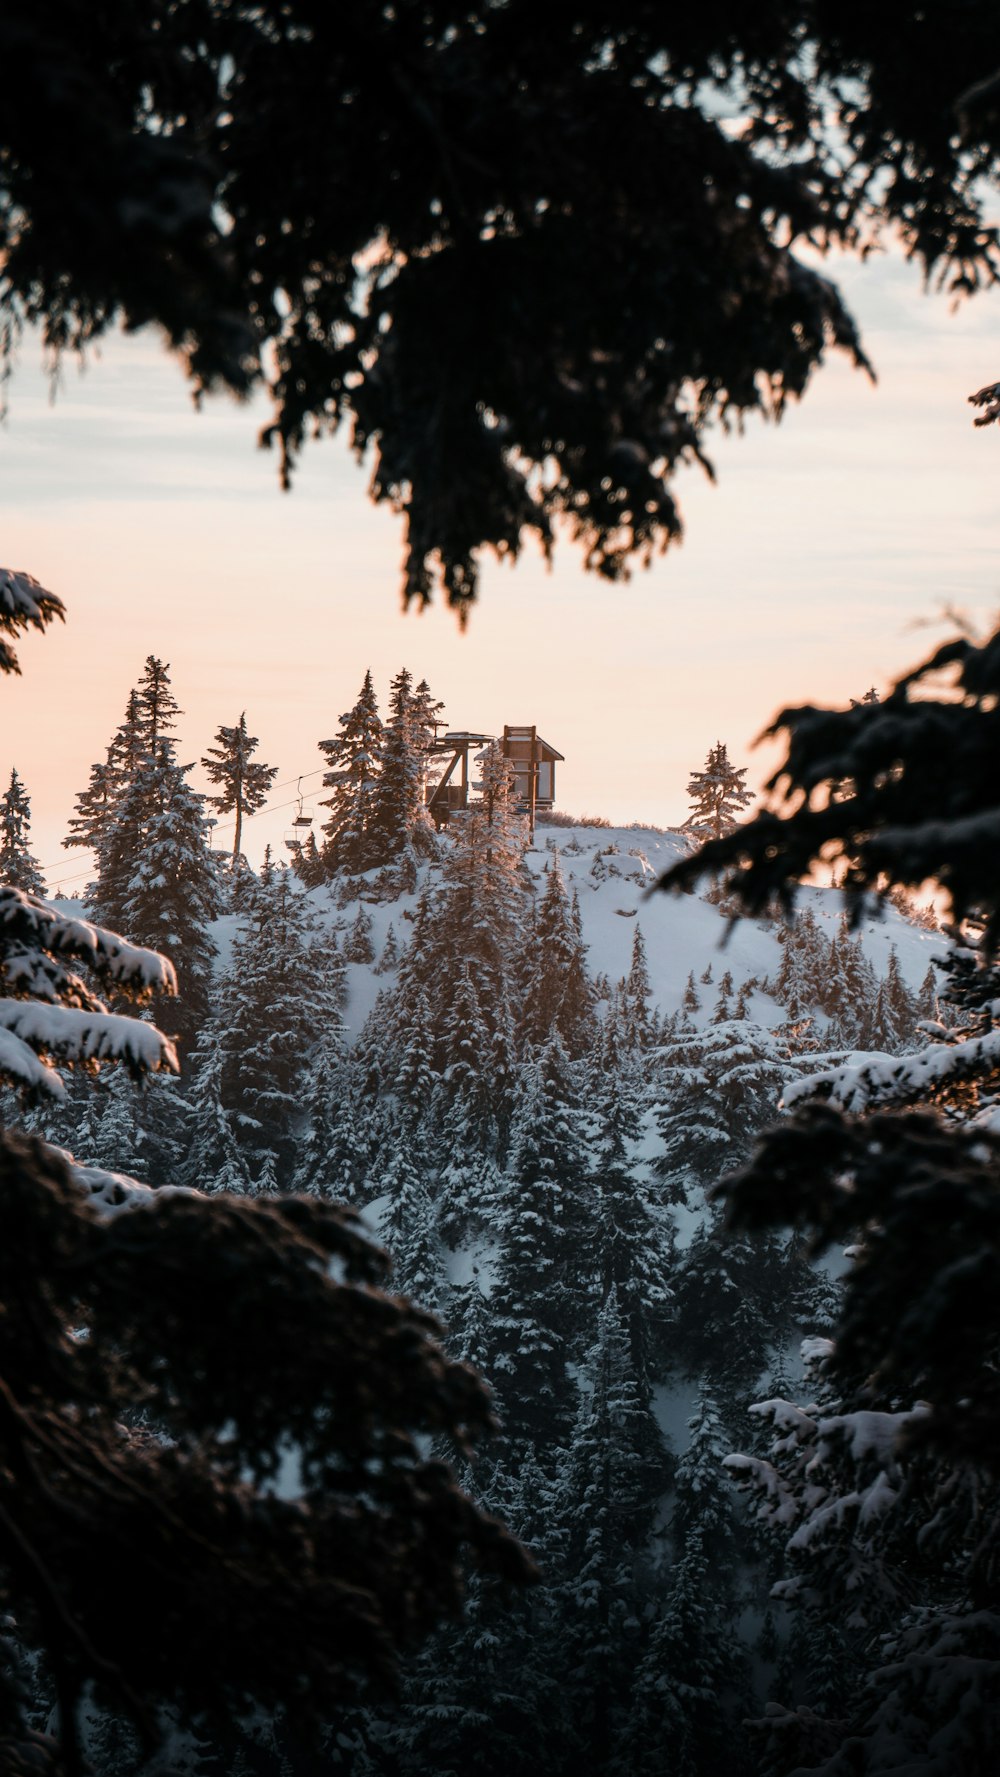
(302, 820)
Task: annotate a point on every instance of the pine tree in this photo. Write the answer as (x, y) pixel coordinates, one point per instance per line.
(479, 914)
(692, 1688)
(215, 1159)
(93, 824)
(631, 1244)
(415, 1075)
(718, 795)
(18, 866)
(899, 1000)
(158, 710)
(354, 760)
(400, 824)
(358, 947)
(638, 993)
(545, 1232)
(244, 781)
(319, 1165)
(388, 962)
(279, 1010)
(408, 1226)
(558, 995)
(157, 880)
(609, 1481)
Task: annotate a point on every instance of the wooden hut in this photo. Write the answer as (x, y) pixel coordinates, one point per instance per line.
(534, 763)
(450, 793)
(532, 758)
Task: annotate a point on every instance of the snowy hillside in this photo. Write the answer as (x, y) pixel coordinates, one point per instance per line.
(612, 870)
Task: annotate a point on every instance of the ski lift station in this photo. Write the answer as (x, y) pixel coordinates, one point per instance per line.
(533, 761)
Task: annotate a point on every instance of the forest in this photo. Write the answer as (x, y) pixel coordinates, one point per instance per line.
(462, 1035)
(517, 1296)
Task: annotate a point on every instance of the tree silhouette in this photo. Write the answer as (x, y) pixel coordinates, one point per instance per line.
(554, 265)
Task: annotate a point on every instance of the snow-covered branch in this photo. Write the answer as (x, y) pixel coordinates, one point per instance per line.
(865, 1081)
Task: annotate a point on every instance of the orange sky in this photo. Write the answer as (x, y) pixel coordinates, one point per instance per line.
(801, 575)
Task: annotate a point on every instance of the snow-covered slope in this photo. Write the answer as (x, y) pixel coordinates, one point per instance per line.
(613, 869)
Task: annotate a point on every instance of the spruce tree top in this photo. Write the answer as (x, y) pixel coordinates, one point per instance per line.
(18, 866)
(718, 795)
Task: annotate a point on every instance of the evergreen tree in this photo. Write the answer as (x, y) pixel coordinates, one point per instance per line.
(215, 1159)
(631, 1244)
(543, 1226)
(279, 1008)
(718, 796)
(899, 1000)
(319, 1167)
(400, 824)
(609, 1481)
(93, 824)
(692, 1687)
(354, 760)
(18, 866)
(734, 1298)
(721, 1084)
(244, 781)
(157, 707)
(407, 1226)
(416, 1078)
(358, 947)
(157, 880)
(558, 996)
(389, 959)
(483, 895)
(638, 993)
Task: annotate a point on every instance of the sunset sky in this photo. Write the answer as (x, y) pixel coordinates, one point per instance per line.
(801, 576)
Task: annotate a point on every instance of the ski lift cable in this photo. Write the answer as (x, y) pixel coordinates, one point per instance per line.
(220, 826)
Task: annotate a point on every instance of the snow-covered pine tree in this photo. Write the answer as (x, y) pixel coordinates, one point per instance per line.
(469, 1107)
(326, 1152)
(93, 824)
(401, 828)
(353, 759)
(279, 1007)
(610, 1478)
(412, 1060)
(480, 911)
(358, 947)
(244, 781)
(638, 993)
(18, 865)
(718, 796)
(545, 1237)
(157, 880)
(49, 1012)
(215, 1159)
(692, 1688)
(900, 1002)
(388, 962)
(630, 1242)
(557, 994)
(407, 1225)
(465, 1054)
